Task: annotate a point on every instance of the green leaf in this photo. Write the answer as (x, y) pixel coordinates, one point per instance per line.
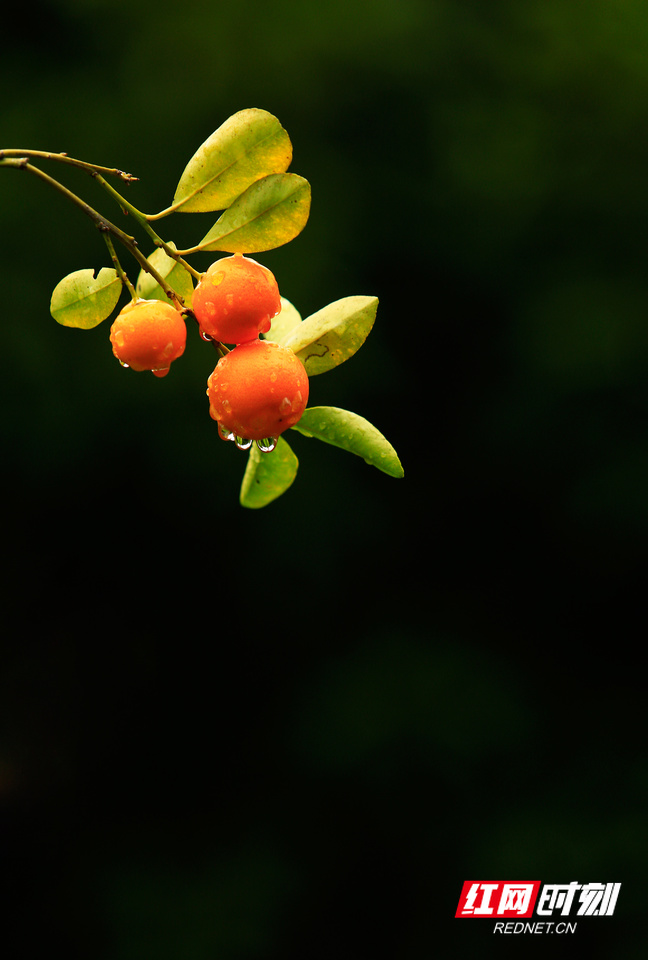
(268, 214)
(251, 144)
(268, 475)
(170, 270)
(284, 323)
(83, 300)
(353, 433)
(333, 334)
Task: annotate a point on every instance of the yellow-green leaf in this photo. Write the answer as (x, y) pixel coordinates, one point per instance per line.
(268, 475)
(333, 334)
(347, 430)
(172, 272)
(268, 214)
(251, 144)
(284, 323)
(83, 300)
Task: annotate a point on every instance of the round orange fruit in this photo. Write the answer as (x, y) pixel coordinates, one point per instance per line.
(148, 335)
(236, 299)
(258, 390)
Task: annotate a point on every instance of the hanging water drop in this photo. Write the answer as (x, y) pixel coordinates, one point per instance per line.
(226, 433)
(206, 336)
(242, 443)
(124, 365)
(268, 444)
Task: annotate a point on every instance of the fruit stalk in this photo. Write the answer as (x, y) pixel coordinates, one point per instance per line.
(118, 267)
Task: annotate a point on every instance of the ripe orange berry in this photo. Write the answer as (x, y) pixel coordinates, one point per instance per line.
(148, 335)
(236, 300)
(257, 390)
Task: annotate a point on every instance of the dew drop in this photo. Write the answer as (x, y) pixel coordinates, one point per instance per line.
(124, 365)
(206, 336)
(242, 443)
(225, 432)
(268, 444)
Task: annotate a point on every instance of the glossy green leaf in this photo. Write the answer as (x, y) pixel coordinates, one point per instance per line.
(284, 323)
(251, 144)
(170, 270)
(268, 475)
(83, 300)
(333, 334)
(268, 214)
(353, 433)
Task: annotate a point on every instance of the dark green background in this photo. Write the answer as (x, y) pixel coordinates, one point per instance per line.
(295, 732)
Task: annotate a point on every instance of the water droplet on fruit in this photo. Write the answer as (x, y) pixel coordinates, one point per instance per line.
(206, 336)
(268, 444)
(226, 433)
(285, 405)
(242, 443)
(124, 365)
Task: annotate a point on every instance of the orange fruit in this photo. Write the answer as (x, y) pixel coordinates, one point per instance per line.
(236, 299)
(148, 335)
(258, 390)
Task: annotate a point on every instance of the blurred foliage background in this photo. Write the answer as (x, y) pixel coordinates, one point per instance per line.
(296, 732)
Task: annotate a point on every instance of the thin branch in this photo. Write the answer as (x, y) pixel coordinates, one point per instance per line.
(106, 226)
(142, 219)
(118, 267)
(71, 161)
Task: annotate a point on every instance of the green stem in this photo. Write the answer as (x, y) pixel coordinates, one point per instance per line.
(99, 220)
(104, 225)
(169, 291)
(143, 222)
(63, 158)
(118, 267)
(164, 213)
